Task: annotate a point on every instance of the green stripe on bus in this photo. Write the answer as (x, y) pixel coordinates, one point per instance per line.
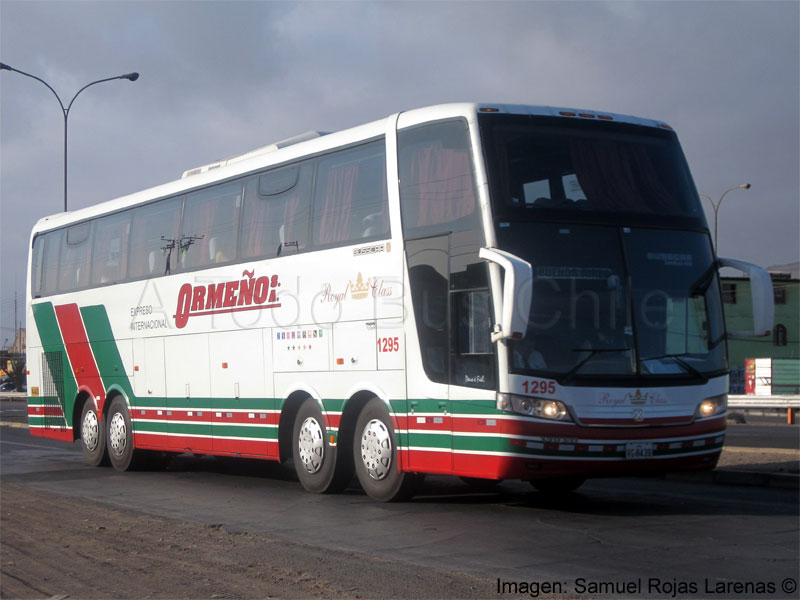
(481, 443)
(167, 427)
(429, 440)
(55, 354)
(258, 433)
(105, 350)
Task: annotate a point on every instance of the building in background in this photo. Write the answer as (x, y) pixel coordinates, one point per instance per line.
(785, 340)
(16, 349)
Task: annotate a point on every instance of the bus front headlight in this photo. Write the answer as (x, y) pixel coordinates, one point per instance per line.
(542, 408)
(712, 406)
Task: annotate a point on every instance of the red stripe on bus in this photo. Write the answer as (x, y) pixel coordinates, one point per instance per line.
(430, 461)
(80, 353)
(263, 448)
(173, 443)
(64, 435)
(570, 430)
(45, 411)
(684, 420)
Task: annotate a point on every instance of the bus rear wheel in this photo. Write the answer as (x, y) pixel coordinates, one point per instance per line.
(375, 456)
(315, 460)
(93, 436)
(119, 437)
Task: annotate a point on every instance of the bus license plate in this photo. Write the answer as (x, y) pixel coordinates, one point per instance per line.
(639, 450)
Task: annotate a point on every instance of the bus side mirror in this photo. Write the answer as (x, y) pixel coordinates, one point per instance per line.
(762, 297)
(515, 303)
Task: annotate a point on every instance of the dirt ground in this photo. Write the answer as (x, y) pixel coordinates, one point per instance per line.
(57, 547)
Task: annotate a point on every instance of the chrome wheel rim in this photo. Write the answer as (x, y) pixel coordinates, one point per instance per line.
(117, 434)
(90, 431)
(376, 449)
(311, 445)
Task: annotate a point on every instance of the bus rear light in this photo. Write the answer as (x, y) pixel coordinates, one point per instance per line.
(605, 117)
(488, 109)
(567, 114)
(665, 126)
(586, 115)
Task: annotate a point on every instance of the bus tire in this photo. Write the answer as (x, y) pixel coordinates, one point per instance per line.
(557, 486)
(93, 436)
(119, 437)
(375, 456)
(314, 457)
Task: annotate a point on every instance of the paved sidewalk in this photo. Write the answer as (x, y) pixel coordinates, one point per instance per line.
(769, 467)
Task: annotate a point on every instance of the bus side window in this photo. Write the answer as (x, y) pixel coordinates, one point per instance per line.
(437, 187)
(44, 267)
(109, 255)
(350, 199)
(208, 229)
(276, 212)
(472, 360)
(428, 260)
(154, 239)
(75, 258)
(37, 255)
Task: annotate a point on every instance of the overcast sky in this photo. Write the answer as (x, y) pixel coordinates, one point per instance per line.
(220, 78)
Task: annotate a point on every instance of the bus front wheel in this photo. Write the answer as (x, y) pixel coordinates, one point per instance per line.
(314, 457)
(375, 456)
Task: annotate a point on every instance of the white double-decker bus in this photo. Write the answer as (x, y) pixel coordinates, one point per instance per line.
(485, 291)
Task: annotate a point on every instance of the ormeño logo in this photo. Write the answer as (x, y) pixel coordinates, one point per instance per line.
(250, 293)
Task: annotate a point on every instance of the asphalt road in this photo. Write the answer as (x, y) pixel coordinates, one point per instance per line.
(623, 531)
(764, 433)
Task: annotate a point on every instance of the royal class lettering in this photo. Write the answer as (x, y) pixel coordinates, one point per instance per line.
(248, 293)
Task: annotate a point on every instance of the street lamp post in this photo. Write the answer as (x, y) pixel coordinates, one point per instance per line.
(128, 76)
(743, 186)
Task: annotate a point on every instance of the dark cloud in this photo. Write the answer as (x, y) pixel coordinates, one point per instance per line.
(219, 78)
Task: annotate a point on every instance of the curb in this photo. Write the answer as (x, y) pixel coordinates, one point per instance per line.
(786, 481)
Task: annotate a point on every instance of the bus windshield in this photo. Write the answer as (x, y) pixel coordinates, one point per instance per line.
(544, 167)
(618, 301)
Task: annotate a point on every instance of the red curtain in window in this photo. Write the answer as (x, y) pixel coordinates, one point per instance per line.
(616, 177)
(443, 178)
(335, 219)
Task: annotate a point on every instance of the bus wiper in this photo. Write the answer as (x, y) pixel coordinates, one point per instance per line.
(592, 353)
(701, 283)
(677, 358)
